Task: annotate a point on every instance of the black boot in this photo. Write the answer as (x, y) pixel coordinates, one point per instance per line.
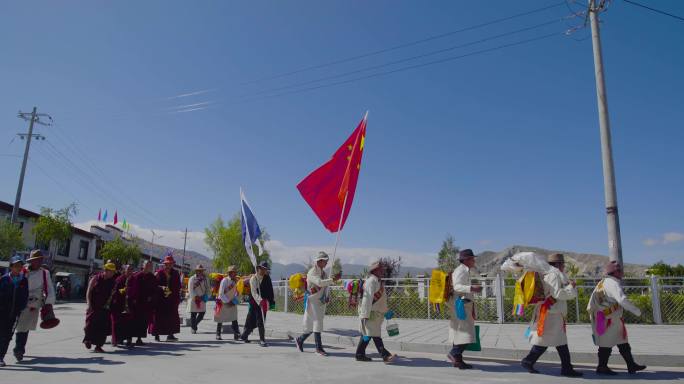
(319, 344)
(361, 349)
(566, 366)
(20, 345)
(626, 352)
(603, 357)
(236, 330)
(532, 357)
(300, 341)
(219, 328)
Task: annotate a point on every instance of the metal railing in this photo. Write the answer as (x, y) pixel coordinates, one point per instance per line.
(661, 300)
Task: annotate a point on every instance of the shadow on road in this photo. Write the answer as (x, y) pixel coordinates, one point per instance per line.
(57, 360)
(344, 332)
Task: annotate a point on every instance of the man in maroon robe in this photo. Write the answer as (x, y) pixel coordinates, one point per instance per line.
(99, 298)
(166, 319)
(122, 317)
(143, 292)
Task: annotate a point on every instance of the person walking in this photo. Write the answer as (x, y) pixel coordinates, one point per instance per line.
(226, 304)
(14, 293)
(198, 295)
(372, 313)
(260, 297)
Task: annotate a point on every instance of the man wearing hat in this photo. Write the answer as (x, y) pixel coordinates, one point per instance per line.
(166, 320)
(606, 307)
(315, 302)
(260, 297)
(101, 291)
(41, 294)
(143, 293)
(372, 314)
(462, 329)
(226, 304)
(198, 294)
(13, 299)
(548, 322)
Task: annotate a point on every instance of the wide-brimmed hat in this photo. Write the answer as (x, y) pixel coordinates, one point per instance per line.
(555, 258)
(466, 253)
(374, 265)
(16, 259)
(612, 267)
(35, 255)
(169, 260)
(200, 267)
(110, 267)
(322, 256)
(232, 268)
(264, 265)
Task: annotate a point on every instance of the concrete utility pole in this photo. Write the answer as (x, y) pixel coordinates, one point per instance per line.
(185, 240)
(33, 117)
(614, 240)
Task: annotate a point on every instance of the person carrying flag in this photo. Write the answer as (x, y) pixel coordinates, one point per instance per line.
(260, 297)
(317, 298)
(198, 295)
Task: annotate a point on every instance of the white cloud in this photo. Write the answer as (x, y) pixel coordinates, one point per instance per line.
(666, 238)
(280, 252)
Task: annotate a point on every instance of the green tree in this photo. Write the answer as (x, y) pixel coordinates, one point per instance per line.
(447, 258)
(571, 269)
(661, 269)
(337, 266)
(53, 227)
(11, 239)
(225, 240)
(121, 252)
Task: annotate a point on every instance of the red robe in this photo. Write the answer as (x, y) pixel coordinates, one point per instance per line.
(166, 319)
(98, 324)
(143, 292)
(122, 318)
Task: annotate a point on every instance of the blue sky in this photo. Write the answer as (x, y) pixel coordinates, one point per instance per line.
(497, 148)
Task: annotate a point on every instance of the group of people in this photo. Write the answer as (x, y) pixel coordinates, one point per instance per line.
(128, 304)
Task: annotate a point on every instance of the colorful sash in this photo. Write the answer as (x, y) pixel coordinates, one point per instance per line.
(545, 306)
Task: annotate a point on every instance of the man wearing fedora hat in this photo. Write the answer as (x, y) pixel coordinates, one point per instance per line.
(198, 295)
(548, 322)
(316, 300)
(462, 328)
(41, 294)
(99, 297)
(166, 320)
(606, 308)
(260, 297)
(372, 312)
(226, 304)
(13, 299)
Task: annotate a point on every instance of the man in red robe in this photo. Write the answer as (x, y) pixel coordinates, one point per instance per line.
(122, 318)
(166, 319)
(143, 292)
(99, 298)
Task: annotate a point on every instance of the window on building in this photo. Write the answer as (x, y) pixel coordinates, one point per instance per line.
(64, 248)
(83, 250)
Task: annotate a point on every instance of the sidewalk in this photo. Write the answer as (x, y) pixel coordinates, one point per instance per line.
(660, 345)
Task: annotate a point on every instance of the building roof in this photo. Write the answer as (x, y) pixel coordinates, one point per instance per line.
(4, 206)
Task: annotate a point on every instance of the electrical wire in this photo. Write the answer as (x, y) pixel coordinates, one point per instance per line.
(680, 18)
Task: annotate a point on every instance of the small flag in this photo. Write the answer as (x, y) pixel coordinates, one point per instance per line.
(116, 217)
(326, 188)
(124, 225)
(99, 215)
(250, 228)
(104, 217)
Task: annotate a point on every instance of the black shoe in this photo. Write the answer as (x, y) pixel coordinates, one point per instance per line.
(129, 344)
(19, 356)
(322, 352)
(300, 344)
(156, 338)
(363, 358)
(389, 359)
(605, 371)
(194, 331)
(528, 366)
(634, 368)
(263, 343)
(571, 373)
(245, 339)
(218, 337)
(236, 336)
(171, 338)
(139, 342)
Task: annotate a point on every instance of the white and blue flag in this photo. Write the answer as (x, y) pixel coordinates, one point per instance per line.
(250, 229)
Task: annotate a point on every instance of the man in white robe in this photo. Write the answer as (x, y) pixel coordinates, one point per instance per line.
(606, 307)
(548, 323)
(226, 304)
(198, 294)
(372, 311)
(462, 330)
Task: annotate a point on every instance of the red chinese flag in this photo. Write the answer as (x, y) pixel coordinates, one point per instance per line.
(116, 217)
(325, 188)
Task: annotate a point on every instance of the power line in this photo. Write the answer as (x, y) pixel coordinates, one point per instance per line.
(680, 18)
(404, 45)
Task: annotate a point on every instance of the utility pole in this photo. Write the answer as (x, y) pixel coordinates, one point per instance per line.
(185, 241)
(614, 240)
(32, 117)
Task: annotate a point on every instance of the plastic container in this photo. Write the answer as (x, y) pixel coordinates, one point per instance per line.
(392, 329)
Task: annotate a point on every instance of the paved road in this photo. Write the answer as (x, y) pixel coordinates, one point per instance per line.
(59, 357)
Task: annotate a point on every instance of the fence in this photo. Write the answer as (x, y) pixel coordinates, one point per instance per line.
(661, 300)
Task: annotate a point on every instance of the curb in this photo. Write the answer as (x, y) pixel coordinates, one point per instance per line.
(492, 353)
